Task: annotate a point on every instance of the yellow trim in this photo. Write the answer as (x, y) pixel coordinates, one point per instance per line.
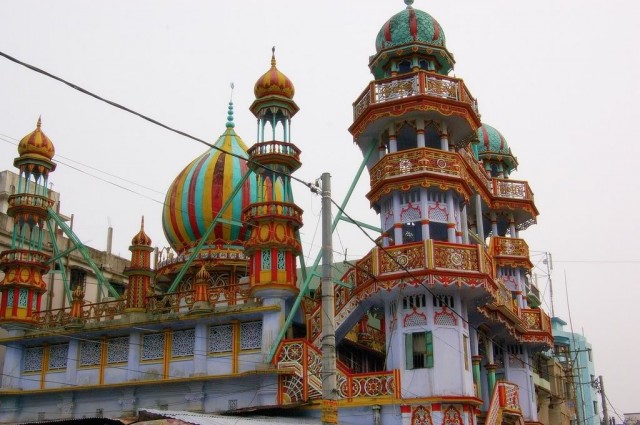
(104, 345)
(167, 352)
(45, 365)
(146, 383)
(235, 347)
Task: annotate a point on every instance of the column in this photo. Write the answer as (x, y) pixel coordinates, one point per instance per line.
(393, 143)
(464, 223)
(397, 224)
(420, 131)
(491, 367)
(479, 221)
(451, 225)
(494, 224)
(444, 137)
(424, 212)
(73, 354)
(133, 367)
(512, 226)
(200, 350)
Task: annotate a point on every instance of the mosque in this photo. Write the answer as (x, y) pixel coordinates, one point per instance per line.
(439, 323)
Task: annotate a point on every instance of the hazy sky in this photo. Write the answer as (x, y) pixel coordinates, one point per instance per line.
(558, 78)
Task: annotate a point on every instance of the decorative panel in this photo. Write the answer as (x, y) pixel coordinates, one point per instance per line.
(281, 261)
(152, 346)
(183, 342)
(58, 356)
(90, 353)
(250, 335)
(118, 350)
(220, 338)
(9, 297)
(23, 297)
(33, 359)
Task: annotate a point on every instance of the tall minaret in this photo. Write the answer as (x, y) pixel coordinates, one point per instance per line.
(25, 263)
(139, 272)
(274, 219)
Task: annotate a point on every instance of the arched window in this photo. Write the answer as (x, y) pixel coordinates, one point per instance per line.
(404, 67)
(407, 138)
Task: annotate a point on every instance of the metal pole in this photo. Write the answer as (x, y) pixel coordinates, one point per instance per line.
(329, 376)
(605, 412)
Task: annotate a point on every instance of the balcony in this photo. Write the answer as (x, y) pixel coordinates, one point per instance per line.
(504, 302)
(533, 294)
(510, 252)
(420, 163)
(538, 326)
(274, 209)
(24, 257)
(274, 152)
(447, 95)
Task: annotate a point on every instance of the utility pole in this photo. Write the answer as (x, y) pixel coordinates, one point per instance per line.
(329, 375)
(599, 384)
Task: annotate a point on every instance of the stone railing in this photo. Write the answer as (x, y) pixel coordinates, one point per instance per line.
(282, 149)
(304, 361)
(414, 84)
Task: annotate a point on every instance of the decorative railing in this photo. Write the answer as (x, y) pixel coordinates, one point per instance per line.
(476, 168)
(415, 161)
(274, 147)
(504, 301)
(509, 247)
(274, 208)
(504, 398)
(512, 189)
(414, 84)
(373, 338)
(167, 256)
(91, 313)
(459, 257)
(182, 302)
(30, 200)
(536, 320)
(304, 361)
(23, 256)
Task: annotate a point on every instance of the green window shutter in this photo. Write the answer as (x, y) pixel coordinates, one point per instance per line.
(408, 350)
(428, 336)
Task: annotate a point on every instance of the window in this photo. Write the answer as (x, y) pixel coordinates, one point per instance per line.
(404, 67)
(220, 339)
(443, 300)
(589, 354)
(411, 232)
(419, 350)
(438, 231)
(414, 301)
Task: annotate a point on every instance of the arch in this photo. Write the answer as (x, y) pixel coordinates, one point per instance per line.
(406, 137)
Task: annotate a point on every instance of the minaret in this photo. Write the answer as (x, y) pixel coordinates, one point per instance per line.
(274, 219)
(25, 263)
(139, 272)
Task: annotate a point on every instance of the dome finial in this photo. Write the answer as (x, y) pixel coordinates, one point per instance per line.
(39, 123)
(408, 3)
(142, 223)
(230, 123)
(273, 56)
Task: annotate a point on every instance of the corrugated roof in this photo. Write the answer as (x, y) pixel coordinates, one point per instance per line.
(212, 419)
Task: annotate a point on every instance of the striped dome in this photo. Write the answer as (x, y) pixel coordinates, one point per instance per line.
(36, 145)
(200, 190)
(274, 82)
(410, 26)
(493, 146)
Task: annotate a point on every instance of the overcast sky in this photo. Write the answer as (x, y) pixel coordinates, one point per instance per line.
(559, 79)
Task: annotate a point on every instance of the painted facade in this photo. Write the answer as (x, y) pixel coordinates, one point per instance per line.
(437, 324)
(573, 350)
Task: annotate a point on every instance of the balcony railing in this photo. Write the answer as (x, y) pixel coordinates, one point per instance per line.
(265, 209)
(536, 320)
(30, 200)
(414, 84)
(91, 313)
(23, 256)
(417, 161)
(512, 189)
(275, 151)
(509, 247)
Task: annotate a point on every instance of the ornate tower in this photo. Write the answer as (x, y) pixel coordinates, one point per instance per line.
(274, 219)
(139, 272)
(25, 263)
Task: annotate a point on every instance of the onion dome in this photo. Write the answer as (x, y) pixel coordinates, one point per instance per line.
(141, 239)
(36, 144)
(197, 194)
(493, 147)
(410, 26)
(274, 82)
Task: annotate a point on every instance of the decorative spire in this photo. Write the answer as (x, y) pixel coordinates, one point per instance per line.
(273, 57)
(408, 3)
(39, 122)
(230, 123)
(142, 224)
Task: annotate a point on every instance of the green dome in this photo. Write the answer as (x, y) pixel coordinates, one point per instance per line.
(493, 147)
(410, 26)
